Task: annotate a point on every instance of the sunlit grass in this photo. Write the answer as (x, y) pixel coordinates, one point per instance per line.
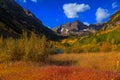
(100, 61)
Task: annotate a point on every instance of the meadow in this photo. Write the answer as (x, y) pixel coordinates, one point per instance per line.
(86, 66)
(102, 61)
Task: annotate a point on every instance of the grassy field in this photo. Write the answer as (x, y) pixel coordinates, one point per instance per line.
(101, 61)
(87, 66)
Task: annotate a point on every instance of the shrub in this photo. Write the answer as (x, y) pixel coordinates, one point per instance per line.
(50, 51)
(31, 48)
(105, 47)
(35, 48)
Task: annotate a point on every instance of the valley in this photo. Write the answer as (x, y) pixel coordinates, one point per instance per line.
(72, 51)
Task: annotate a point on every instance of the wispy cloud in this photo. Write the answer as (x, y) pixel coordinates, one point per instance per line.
(114, 5)
(71, 10)
(86, 23)
(25, 1)
(34, 1)
(102, 14)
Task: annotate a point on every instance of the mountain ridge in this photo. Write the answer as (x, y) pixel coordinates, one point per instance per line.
(14, 20)
(77, 28)
(113, 21)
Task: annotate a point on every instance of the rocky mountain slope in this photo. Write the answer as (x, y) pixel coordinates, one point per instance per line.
(114, 21)
(76, 28)
(14, 20)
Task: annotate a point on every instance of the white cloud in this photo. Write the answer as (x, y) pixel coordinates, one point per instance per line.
(71, 10)
(86, 23)
(102, 14)
(114, 5)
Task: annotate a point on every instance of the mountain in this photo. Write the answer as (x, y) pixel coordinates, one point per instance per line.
(14, 20)
(76, 28)
(70, 28)
(114, 21)
(96, 26)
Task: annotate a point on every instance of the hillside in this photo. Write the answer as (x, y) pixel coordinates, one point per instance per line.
(14, 20)
(114, 21)
(106, 39)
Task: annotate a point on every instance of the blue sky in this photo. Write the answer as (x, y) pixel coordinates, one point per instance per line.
(56, 12)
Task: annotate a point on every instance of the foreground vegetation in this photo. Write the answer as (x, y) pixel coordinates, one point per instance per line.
(100, 61)
(57, 73)
(32, 48)
(92, 66)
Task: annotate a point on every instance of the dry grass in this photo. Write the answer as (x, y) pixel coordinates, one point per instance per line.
(87, 66)
(100, 61)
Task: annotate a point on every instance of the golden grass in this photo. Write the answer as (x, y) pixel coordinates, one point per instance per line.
(100, 61)
(69, 41)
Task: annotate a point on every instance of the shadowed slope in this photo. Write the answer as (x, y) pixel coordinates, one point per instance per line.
(14, 19)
